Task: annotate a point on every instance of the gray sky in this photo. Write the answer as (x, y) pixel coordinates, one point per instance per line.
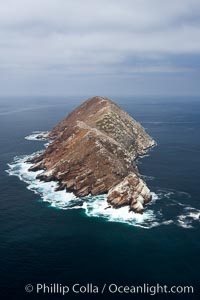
(105, 47)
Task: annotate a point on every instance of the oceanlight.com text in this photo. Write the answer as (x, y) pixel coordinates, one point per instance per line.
(111, 288)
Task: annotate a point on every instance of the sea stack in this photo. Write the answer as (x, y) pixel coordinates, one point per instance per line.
(93, 151)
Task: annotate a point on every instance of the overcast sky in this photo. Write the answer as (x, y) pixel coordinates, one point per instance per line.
(104, 47)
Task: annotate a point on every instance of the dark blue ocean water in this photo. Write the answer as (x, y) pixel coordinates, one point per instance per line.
(39, 243)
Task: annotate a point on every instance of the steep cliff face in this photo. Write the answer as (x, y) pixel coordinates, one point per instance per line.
(93, 151)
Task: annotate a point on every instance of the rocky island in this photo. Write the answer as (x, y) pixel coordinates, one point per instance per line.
(93, 151)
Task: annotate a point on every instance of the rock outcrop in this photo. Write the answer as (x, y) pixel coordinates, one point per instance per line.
(131, 191)
(93, 151)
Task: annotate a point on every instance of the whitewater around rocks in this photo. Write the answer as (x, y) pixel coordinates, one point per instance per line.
(155, 215)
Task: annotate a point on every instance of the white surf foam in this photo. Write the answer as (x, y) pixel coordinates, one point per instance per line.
(185, 216)
(37, 136)
(187, 219)
(46, 190)
(94, 206)
(155, 214)
(97, 206)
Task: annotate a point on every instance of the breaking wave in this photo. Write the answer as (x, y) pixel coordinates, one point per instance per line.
(172, 207)
(37, 136)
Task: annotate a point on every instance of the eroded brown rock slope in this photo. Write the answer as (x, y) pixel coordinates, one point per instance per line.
(93, 151)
